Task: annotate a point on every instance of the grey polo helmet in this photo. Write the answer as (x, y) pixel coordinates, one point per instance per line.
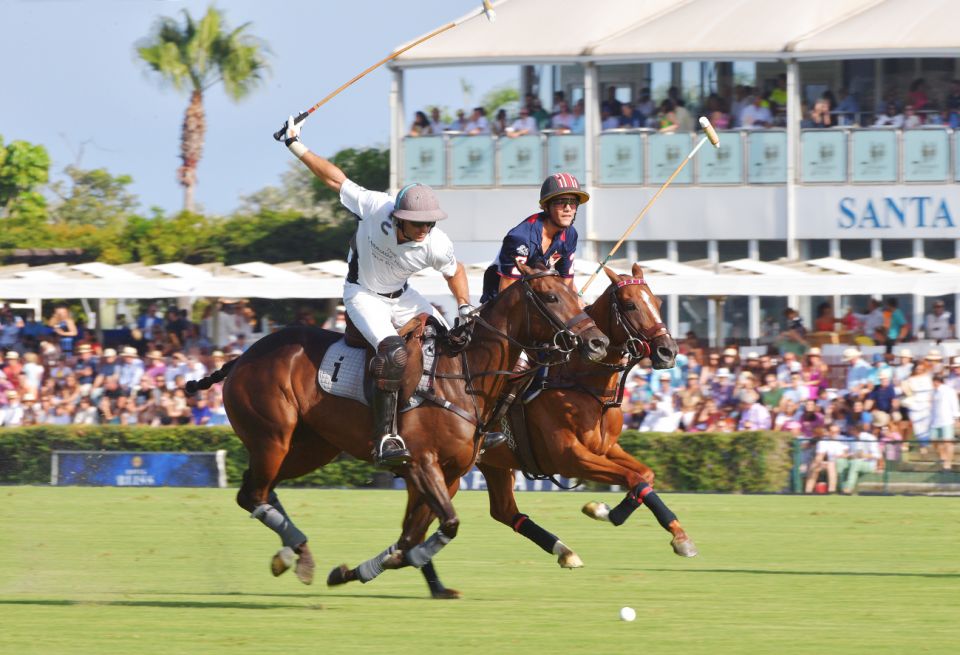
(559, 184)
(418, 203)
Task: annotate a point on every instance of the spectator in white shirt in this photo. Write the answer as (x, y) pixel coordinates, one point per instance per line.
(437, 125)
(12, 413)
(945, 412)
(937, 323)
(891, 118)
(478, 123)
(523, 125)
(755, 115)
(563, 119)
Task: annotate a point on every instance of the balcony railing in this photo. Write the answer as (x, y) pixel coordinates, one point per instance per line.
(646, 158)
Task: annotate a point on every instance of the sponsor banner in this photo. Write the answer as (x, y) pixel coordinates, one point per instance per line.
(130, 469)
(881, 212)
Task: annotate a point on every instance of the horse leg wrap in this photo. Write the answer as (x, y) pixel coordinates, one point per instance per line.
(643, 493)
(274, 500)
(374, 566)
(525, 526)
(421, 554)
(274, 519)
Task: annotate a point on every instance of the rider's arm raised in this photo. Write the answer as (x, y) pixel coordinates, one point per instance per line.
(328, 172)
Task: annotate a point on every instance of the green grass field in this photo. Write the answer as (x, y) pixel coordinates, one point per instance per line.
(100, 571)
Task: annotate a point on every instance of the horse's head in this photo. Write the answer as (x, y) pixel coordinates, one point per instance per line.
(551, 311)
(635, 319)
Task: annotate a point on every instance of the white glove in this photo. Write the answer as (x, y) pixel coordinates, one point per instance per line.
(292, 138)
(465, 311)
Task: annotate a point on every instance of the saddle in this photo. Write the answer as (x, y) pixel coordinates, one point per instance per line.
(346, 362)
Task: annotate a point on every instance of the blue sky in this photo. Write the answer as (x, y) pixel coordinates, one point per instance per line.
(73, 84)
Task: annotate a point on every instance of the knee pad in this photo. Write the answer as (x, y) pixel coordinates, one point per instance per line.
(389, 363)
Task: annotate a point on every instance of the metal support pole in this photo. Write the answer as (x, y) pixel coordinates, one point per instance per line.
(396, 127)
(793, 150)
(591, 121)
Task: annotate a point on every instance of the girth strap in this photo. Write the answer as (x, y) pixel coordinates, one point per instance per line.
(446, 404)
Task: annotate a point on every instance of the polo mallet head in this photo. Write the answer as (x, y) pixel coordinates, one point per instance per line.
(488, 11)
(710, 132)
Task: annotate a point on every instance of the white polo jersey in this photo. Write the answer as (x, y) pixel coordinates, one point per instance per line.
(377, 262)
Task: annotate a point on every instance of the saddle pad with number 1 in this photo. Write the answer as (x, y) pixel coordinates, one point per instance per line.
(342, 370)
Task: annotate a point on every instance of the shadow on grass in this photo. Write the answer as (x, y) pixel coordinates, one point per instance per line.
(865, 574)
(171, 604)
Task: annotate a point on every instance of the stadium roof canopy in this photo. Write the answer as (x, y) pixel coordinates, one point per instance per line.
(526, 31)
(744, 277)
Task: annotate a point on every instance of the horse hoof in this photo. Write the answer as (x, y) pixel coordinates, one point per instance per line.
(339, 576)
(282, 561)
(685, 547)
(305, 567)
(446, 594)
(598, 511)
(569, 559)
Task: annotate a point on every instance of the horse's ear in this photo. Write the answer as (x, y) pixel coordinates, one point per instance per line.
(524, 269)
(637, 271)
(614, 278)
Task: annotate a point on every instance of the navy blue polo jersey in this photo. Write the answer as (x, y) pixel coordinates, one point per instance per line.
(523, 244)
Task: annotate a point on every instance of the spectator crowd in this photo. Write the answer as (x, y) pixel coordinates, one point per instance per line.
(851, 415)
(746, 107)
(57, 372)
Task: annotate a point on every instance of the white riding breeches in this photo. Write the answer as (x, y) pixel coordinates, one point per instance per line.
(378, 317)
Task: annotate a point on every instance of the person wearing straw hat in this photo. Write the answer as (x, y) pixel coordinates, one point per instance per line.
(130, 370)
(396, 236)
(860, 372)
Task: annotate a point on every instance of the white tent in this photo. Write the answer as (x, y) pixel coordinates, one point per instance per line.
(645, 30)
(744, 277)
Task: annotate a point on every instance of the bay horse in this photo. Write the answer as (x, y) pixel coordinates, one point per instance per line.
(574, 423)
(290, 426)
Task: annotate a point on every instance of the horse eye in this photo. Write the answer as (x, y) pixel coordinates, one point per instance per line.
(549, 297)
(629, 306)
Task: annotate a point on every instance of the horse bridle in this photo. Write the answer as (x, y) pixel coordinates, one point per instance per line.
(567, 335)
(637, 345)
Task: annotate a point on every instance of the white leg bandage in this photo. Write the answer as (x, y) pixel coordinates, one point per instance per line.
(421, 554)
(374, 566)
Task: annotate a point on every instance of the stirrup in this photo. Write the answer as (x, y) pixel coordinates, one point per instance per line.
(392, 452)
(492, 440)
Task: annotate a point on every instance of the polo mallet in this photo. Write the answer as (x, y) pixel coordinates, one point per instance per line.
(709, 135)
(486, 10)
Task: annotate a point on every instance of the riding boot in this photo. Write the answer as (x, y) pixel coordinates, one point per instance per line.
(390, 451)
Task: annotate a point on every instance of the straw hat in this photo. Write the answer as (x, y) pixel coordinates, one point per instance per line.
(904, 352)
(109, 352)
(850, 354)
(934, 355)
(12, 354)
(154, 354)
(814, 351)
(129, 351)
(83, 348)
(217, 354)
(731, 352)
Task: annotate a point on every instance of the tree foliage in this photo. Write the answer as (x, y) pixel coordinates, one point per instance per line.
(24, 169)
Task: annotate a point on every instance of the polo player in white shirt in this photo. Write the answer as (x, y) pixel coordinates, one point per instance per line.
(395, 238)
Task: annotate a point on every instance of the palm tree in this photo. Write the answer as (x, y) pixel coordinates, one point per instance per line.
(193, 57)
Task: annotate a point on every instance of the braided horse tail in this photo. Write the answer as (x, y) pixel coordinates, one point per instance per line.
(193, 386)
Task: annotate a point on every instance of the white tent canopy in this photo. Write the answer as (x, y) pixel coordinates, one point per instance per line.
(631, 30)
(912, 275)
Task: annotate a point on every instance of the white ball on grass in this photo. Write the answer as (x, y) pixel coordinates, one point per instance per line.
(627, 614)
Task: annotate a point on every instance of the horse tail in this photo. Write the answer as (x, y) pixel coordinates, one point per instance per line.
(193, 386)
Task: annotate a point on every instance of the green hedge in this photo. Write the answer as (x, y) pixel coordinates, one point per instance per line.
(25, 452)
(739, 462)
(701, 461)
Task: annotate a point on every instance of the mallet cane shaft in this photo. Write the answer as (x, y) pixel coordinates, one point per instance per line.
(711, 136)
(486, 10)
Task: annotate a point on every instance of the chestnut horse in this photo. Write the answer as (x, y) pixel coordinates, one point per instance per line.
(290, 426)
(574, 424)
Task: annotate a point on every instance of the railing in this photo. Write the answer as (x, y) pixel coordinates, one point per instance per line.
(902, 467)
(643, 157)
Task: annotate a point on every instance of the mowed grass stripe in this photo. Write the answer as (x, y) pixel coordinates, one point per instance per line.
(185, 571)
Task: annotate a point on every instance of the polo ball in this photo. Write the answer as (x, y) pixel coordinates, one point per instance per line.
(627, 614)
